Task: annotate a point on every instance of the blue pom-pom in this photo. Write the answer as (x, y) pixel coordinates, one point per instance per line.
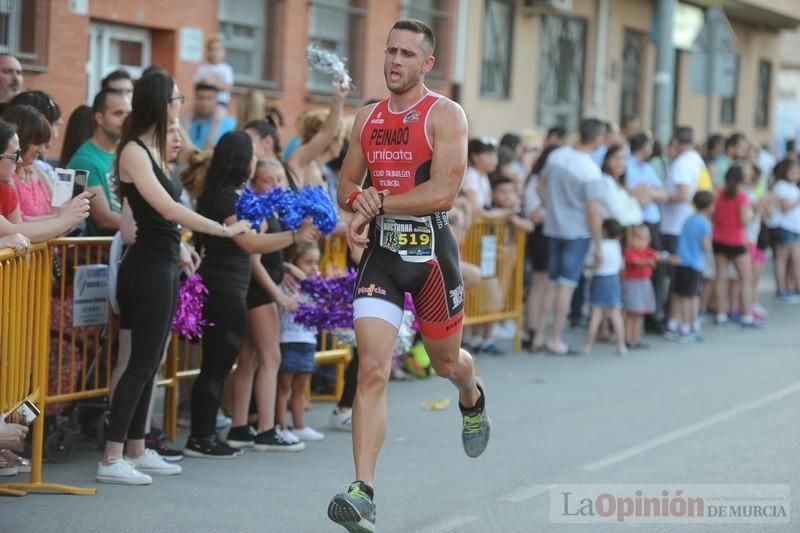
(250, 207)
(316, 203)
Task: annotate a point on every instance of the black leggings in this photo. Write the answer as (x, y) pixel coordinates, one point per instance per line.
(350, 382)
(226, 309)
(148, 306)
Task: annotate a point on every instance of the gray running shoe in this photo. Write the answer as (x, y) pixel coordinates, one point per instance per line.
(476, 430)
(353, 510)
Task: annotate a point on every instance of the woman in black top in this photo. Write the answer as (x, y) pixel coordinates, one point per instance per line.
(226, 270)
(148, 277)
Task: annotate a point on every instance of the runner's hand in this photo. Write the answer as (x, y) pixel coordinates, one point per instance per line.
(356, 237)
(368, 203)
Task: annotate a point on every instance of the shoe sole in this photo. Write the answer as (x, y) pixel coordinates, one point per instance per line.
(282, 448)
(342, 512)
(201, 455)
(156, 471)
(120, 481)
(172, 458)
(240, 444)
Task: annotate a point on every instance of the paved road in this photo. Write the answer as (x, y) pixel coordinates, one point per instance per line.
(721, 412)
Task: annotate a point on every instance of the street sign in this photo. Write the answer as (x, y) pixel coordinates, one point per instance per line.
(713, 63)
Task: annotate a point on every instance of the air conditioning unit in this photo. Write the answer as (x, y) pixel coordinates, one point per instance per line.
(531, 8)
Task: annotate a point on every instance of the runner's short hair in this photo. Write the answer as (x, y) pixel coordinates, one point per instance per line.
(417, 26)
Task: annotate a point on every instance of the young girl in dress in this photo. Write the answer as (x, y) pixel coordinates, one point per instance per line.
(638, 297)
(606, 293)
(298, 345)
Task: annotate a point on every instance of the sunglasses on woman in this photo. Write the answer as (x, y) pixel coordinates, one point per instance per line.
(13, 156)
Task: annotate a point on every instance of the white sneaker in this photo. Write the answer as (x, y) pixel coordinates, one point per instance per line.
(287, 435)
(152, 463)
(342, 421)
(121, 472)
(222, 420)
(308, 434)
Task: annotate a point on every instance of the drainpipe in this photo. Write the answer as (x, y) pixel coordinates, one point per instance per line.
(665, 67)
(600, 52)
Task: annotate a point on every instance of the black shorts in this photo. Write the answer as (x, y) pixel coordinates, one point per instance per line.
(729, 251)
(425, 265)
(687, 281)
(536, 247)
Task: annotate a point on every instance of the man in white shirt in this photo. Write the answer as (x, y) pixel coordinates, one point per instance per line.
(684, 174)
(686, 171)
(570, 187)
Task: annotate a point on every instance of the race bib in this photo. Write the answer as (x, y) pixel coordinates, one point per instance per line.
(409, 237)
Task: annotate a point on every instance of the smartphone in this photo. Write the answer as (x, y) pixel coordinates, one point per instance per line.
(62, 187)
(24, 414)
(81, 178)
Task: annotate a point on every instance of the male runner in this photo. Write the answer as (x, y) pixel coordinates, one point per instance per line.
(414, 145)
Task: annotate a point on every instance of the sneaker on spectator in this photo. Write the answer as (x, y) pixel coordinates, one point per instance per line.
(491, 349)
(788, 297)
(223, 421)
(242, 436)
(210, 447)
(342, 421)
(153, 442)
(8, 467)
(272, 440)
(687, 338)
(307, 434)
(287, 435)
(121, 472)
(23, 464)
(152, 463)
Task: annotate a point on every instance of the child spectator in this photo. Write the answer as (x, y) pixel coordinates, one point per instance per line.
(731, 216)
(638, 297)
(298, 345)
(216, 72)
(605, 290)
(787, 231)
(694, 240)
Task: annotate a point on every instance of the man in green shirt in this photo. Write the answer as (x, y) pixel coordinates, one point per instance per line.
(96, 155)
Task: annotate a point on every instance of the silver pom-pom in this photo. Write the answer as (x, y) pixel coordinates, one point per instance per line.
(329, 63)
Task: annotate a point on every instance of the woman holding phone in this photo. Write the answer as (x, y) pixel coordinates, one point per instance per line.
(148, 277)
(70, 215)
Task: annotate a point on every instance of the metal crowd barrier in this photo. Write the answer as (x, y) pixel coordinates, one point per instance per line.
(25, 292)
(499, 250)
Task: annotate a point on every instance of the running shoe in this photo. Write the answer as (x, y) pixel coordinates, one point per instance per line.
(476, 428)
(210, 447)
(354, 510)
(153, 442)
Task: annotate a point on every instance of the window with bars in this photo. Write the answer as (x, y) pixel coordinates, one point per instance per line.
(338, 26)
(498, 21)
(632, 50)
(437, 15)
(727, 110)
(763, 96)
(251, 30)
(23, 30)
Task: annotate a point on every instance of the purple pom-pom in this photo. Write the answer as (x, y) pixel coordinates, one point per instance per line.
(188, 321)
(330, 304)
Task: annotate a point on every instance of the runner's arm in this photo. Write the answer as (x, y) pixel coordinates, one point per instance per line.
(354, 167)
(448, 134)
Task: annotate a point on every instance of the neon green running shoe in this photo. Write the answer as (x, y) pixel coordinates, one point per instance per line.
(353, 510)
(476, 429)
